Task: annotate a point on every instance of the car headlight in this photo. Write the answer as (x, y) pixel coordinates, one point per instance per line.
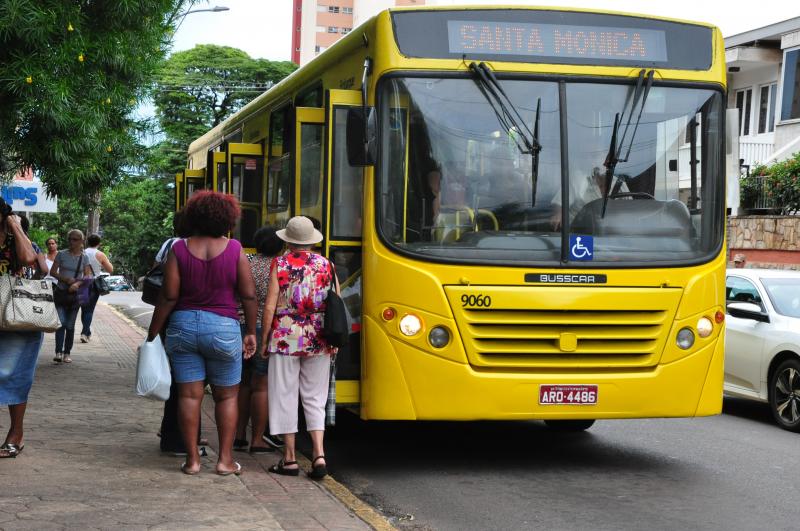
(410, 325)
(685, 338)
(438, 337)
(704, 327)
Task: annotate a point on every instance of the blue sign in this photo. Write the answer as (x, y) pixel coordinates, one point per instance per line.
(28, 196)
(581, 247)
(14, 193)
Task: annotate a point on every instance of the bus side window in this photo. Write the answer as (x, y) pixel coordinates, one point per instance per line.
(279, 173)
(347, 184)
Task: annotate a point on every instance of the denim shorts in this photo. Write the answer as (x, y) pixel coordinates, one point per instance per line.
(18, 354)
(204, 346)
(256, 364)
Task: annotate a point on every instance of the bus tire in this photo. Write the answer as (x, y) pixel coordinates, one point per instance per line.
(569, 425)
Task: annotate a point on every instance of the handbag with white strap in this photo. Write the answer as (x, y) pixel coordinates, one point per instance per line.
(27, 305)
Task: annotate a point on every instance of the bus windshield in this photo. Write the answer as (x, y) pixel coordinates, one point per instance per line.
(456, 184)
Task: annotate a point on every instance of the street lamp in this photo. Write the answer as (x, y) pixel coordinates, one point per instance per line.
(215, 9)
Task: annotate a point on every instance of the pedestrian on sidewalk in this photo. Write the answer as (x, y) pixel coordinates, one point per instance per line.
(52, 250)
(100, 264)
(299, 356)
(70, 267)
(18, 350)
(253, 389)
(202, 277)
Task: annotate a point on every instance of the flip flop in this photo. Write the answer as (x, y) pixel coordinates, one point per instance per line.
(185, 469)
(281, 469)
(318, 471)
(240, 445)
(11, 450)
(236, 471)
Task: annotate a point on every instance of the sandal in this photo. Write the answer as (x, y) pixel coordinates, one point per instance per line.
(10, 450)
(236, 471)
(67, 359)
(240, 445)
(318, 471)
(281, 469)
(189, 472)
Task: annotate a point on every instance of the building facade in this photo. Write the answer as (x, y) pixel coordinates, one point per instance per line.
(317, 24)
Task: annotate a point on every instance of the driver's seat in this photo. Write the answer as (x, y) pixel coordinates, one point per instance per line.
(651, 218)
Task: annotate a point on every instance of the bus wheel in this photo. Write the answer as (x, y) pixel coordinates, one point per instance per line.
(569, 425)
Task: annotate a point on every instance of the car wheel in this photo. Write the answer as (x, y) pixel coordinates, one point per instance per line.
(784, 395)
(569, 425)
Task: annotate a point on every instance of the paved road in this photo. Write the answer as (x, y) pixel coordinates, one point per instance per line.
(734, 471)
(130, 303)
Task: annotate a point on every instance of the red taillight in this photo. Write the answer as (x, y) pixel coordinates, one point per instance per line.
(719, 317)
(388, 314)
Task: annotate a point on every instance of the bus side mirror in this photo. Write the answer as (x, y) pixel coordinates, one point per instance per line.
(362, 145)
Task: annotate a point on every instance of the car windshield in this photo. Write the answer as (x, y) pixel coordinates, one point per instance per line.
(455, 181)
(784, 294)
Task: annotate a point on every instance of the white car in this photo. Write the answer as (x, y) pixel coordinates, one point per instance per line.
(762, 342)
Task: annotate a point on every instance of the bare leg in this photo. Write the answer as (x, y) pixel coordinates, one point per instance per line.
(244, 400)
(190, 398)
(258, 409)
(226, 414)
(288, 450)
(317, 449)
(17, 414)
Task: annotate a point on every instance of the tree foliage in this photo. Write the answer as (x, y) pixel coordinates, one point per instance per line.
(71, 71)
(779, 183)
(71, 215)
(199, 88)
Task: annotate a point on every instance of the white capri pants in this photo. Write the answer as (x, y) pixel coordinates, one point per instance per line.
(289, 376)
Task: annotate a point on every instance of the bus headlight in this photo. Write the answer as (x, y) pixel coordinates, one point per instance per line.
(438, 337)
(685, 338)
(410, 325)
(704, 327)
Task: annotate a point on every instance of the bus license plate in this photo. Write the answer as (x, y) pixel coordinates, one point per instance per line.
(579, 395)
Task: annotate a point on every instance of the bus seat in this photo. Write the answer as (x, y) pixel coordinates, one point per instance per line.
(451, 223)
(639, 217)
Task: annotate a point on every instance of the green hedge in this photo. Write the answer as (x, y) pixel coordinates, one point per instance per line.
(781, 182)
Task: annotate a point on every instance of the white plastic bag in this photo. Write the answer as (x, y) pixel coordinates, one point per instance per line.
(152, 371)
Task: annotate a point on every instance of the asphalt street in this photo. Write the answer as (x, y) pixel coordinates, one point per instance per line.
(734, 471)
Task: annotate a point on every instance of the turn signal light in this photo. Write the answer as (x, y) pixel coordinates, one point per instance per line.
(719, 317)
(704, 327)
(388, 314)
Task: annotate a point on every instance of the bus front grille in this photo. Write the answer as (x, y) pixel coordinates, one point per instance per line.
(539, 328)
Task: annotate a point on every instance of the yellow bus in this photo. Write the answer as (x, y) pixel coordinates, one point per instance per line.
(525, 207)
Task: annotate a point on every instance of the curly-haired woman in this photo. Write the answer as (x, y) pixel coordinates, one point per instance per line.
(203, 277)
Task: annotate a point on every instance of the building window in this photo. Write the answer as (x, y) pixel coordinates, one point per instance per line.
(744, 101)
(320, 49)
(346, 30)
(790, 104)
(766, 108)
(333, 9)
(322, 9)
(347, 10)
(333, 29)
(316, 49)
(321, 29)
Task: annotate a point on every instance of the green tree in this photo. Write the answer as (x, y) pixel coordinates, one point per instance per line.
(136, 216)
(71, 215)
(199, 88)
(71, 72)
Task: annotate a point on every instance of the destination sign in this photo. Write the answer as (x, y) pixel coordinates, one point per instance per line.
(555, 40)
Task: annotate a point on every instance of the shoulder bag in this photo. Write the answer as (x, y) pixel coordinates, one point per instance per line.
(335, 329)
(27, 305)
(154, 279)
(62, 295)
(100, 285)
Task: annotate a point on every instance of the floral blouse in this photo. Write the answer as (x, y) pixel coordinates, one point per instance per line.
(303, 281)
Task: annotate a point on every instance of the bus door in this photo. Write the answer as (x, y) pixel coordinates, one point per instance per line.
(219, 171)
(245, 163)
(344, 189)
(193, 180)
(310, 132)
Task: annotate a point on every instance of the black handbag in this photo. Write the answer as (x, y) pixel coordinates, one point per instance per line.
(101, 285)
(154, 279)
(335, 329)
(62, 296)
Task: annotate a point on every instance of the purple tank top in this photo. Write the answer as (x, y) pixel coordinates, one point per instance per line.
(208, 285)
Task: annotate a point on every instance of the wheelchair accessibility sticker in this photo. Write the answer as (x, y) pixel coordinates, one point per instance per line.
(581, 247)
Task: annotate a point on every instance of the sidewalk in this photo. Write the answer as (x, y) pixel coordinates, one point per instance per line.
(92, 460)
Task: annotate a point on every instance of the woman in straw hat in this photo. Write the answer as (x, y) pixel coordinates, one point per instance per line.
(299, 363)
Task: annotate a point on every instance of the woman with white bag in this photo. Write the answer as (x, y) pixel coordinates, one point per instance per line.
(18, 350)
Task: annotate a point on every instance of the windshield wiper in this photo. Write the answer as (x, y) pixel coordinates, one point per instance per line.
(535, 154)
(613, 158)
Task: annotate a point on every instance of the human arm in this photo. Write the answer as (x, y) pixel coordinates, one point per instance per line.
(105, 263)
(41, 264)
(246, 288)
(22, 245)
(167, 297)
(270, 304)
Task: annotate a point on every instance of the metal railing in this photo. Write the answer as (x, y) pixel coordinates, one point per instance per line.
(754, 153)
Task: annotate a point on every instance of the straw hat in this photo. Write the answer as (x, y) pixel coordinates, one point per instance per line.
(300, 231)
